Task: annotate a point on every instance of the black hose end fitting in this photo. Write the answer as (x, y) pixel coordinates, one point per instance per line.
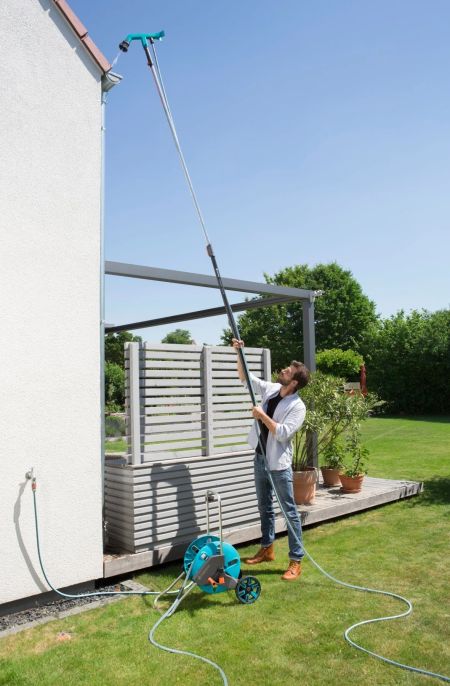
(124, 45)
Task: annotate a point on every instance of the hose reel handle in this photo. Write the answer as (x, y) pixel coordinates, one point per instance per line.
(213, 497)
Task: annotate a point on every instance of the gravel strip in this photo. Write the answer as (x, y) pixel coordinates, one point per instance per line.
(59, 608)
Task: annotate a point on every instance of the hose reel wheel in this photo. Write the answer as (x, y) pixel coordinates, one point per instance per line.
(248, 590)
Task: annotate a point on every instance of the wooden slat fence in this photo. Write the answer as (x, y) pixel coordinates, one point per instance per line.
(156, 505)
(187, 400)
(187, 417)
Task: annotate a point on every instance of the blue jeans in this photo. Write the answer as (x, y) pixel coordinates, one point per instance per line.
(283, 483)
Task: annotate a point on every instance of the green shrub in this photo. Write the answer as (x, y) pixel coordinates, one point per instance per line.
(355, 459)
(330, 414)
(115, 345)
(332, 455)
(114, 426)
(345, 363)
(408, 362)
(114, 387)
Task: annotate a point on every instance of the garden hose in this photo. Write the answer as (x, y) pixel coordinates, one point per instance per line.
(72, 596)
(177, 651)
(153, 64)
(185, 588)
(347, 632)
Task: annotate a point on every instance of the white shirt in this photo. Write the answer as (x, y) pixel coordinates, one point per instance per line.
(289, 415)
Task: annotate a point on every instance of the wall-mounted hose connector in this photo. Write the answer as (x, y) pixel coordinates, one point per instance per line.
(29, 476)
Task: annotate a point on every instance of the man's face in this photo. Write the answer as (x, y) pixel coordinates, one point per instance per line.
(285, 376)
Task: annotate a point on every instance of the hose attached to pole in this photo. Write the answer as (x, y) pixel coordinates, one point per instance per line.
(157, 77)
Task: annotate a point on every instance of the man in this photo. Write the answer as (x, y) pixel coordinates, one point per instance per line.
(280, 416)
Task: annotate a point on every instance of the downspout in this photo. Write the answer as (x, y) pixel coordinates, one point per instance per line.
(109, 80)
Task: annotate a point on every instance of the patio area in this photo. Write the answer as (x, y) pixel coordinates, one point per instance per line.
(330, 503)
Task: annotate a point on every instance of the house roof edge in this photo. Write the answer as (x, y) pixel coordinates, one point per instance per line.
(82, 33)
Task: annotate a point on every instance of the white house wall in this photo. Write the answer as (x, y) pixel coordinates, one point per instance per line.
(50, 409)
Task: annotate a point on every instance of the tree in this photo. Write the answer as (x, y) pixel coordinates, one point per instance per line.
(408, 362)
(345, 316)
(180, 336)
(114, 346)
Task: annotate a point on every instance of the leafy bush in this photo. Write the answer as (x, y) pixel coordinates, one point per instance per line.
(114, 426)
(180, 336)
(114, 387)
(115, 344)
(408, 362)
(355, 454)
(345, 363)
(332, 455)
(330, 413)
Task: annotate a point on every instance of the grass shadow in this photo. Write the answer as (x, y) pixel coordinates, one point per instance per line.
(436, 491)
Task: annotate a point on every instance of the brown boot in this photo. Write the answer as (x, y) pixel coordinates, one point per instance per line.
(263, 555)
(293, 571)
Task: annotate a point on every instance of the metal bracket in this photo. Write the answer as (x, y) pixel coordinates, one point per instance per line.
(210, 568)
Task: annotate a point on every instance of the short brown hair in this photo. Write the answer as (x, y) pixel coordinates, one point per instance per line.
(301, 374)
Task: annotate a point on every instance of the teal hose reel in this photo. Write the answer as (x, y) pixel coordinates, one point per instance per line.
(215, 566)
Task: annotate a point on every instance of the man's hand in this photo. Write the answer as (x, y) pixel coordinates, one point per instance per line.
(258, 412)
(260, 415)
(237, 344)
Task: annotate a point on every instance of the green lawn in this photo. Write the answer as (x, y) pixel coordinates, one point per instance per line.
(294, 633)
(119, 445)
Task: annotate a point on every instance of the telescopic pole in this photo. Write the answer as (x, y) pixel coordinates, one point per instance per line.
(145, 40)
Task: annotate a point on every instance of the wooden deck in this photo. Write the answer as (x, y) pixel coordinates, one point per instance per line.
(330, 503)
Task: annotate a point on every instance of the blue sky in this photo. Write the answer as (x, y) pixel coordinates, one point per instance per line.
(314, 131)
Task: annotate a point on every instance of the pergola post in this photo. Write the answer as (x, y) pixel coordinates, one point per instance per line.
(309, 353)
(134, 400)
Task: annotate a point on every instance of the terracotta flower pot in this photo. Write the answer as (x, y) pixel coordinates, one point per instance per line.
(330, 476)
(305, 486)
(351, 484)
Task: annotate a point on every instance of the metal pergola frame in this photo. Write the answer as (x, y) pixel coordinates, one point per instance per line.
(273, 295)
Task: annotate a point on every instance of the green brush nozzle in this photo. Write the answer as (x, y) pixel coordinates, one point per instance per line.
(143, 37)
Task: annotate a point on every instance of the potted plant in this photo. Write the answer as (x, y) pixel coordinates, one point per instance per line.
(330, 413)
(304, 475)
(352, 475)
(332, 459)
